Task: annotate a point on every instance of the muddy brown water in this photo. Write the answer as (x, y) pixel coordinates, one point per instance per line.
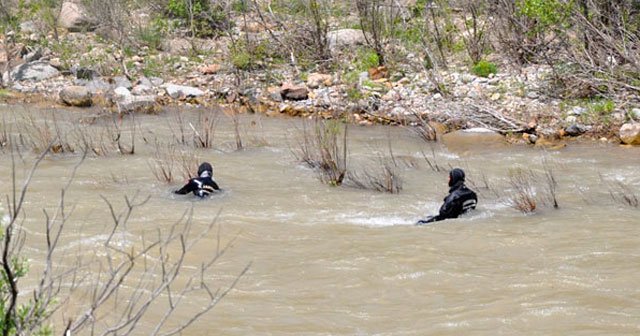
(342, 261)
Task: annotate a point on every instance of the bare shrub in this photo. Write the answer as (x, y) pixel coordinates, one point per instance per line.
(523, 197)
(621, 193)
(117, 134)
(432, 161)
(163, 162)
(233, 114)
(377, 18)
(383, 177)
(46, 134)
(323, 150)
(4, 134)
(178, 127)
(188, 163)
(475, 35)
(116, 285)
(94, 139)
(205, 130)
(550, 183)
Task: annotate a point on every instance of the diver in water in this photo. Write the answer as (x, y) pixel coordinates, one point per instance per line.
(201, 186)
(460, 199)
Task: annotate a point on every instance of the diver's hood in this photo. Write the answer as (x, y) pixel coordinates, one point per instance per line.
(205, 170)
(456, 176)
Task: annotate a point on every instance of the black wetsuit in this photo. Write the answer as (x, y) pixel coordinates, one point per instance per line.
(201, 186)
(460, 199)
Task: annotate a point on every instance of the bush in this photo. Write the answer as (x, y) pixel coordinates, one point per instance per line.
(203, 19)
(484, 69)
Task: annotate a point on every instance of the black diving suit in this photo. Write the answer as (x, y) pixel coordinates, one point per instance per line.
(460, 199)
(201, 186)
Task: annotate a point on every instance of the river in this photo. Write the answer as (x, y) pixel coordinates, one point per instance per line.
(326, 260)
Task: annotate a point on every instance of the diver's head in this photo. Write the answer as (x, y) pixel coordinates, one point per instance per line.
(205, 169)
(456, 175)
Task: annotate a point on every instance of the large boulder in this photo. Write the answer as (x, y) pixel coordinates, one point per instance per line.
(139, 104)
(575, 130)
(316, 79)
(34, 71)
(630, 134)
(289, 91)
(76, 96)
(182, 91)
(74, 18)
(344, 38)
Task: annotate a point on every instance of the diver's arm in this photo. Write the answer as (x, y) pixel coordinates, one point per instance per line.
(214, 185)
(187, 188)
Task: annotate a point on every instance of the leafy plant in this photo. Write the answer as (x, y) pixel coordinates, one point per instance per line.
(484, 68)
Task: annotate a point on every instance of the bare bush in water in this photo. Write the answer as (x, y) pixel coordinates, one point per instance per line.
(129, 277)
(621, 193)
(551, 184)
(383, 177)
(46, 135)
(163, 162)
(523, 197)
(205, 130)
(323, 150)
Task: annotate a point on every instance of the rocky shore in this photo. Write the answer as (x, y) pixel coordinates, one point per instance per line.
(518, 103)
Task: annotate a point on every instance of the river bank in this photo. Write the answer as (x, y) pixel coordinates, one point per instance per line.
(522, 102)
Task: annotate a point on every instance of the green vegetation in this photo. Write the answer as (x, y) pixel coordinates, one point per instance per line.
(484, 69)
(21, 316)
(203, 18)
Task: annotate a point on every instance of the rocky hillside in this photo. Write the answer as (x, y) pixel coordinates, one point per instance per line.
(434, 65)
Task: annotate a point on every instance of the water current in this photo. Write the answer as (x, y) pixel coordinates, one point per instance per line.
(327, 260)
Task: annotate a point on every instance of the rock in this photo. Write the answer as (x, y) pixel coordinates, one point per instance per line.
(314, 80)
(342, 38)
(140, 104)
(635, 113)
(577, 110)
(144, 81)
(28, 27)
(35, 71)
(496, 96)
(33, 55)
(84, 73)
(121, 92)
(571, 119)
(575, 130)
(76, 96)
(289, 91)
(530, 138)
(532, 95)
(378, 73)
(140, 90)
(156, 81)
(630, 133)
(210, 69)
(182, 91)
(74, 17)
(122, 81)
(467, 78)
(95, 85)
